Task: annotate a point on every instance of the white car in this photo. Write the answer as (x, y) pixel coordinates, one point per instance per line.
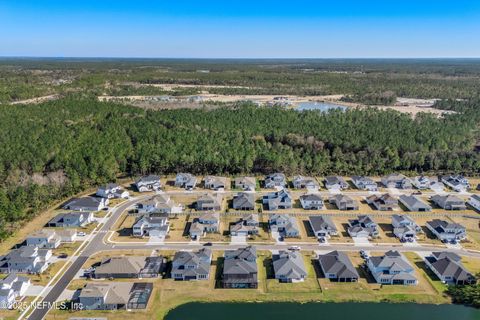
(81, 234)
(294, 248)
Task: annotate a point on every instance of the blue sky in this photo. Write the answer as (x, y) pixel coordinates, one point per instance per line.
(240, 29)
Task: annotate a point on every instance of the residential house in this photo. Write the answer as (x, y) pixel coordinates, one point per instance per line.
(288, 266)
(151, 226)
(86, 204)
(301, 182)
(27, 259)
(189, 265)
(364, 183)
(447, 231)
(311, 201)
(148, 183)
(245, 183)
(335, 183)
(404, 227)
(244, 201)
(112, 190)
(12, 287)
(278, 200)
(413, 203)
(129, 267)
(474, 201)
(115, 295)
(449, 202)
(362, 227)
(322, 226)
(456, 182)
(424, 183)
(344, 202)
(209, 202)
(240, 268)
(45, 238)
(71, 219)
(160, 203)
(285, 225)
(275, 180)
(385, 202)
(185, 180)
(206, 223)
(337, 266)
(448, 267)
(67, 235)
(215, 183)
(247, 225)
(396, 180)
(392, 268)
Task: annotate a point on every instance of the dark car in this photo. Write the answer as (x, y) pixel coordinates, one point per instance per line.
(208, 244)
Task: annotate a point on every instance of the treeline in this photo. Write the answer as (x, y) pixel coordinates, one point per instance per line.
(91, 142)
(468, 295)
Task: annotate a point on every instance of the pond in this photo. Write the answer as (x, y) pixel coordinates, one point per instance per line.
(321, 106)
(330, 311)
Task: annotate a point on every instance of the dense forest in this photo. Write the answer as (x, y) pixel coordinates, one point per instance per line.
(60, 147)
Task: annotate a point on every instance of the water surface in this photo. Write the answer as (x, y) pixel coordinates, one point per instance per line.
(329, 311)
(321, 106)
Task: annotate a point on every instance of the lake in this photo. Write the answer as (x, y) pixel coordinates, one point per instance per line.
(330, 311)
(321, 106)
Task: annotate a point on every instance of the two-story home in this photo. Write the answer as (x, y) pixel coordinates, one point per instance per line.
(456, 182)
(185, 180)
(124, 267)
(448, 267)
(12, 287)
(244, 201)
(115, 295)
(160, 203)
(285, 225)
(148, 183)
(322, 226)
(392, 268)
(86, 204)
(240, 268)
(413, 203)
(424, 183)
(311, 201)
(364, 183)
(209, 202)
(404, 227)
(337, 266)
(474, 201)
(344, 202)
(302, 182)
(385, 202)
(71, 219)
(278, 200)
(45, 238)
(207, 223)
(27, 259)
(247, 225)
(215, 183)
(188, 265)
(362, 227)
(396, 180)
(245, 183)
(335, 183)
(275, 180)
(288, 266)
(112, 190)
(448, 202)
(151, 226)
(447, 231)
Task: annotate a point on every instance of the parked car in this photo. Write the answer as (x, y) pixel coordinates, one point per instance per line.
(208, 244)
(81, 234)
(294, 248)
(63, 256)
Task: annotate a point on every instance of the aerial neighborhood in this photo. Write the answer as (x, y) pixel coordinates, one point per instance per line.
(255, 215)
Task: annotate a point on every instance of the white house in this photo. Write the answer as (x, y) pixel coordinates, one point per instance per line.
(474, 201)
(11, 287)
(112, 190)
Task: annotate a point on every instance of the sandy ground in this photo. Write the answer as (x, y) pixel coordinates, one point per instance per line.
(37, 99)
